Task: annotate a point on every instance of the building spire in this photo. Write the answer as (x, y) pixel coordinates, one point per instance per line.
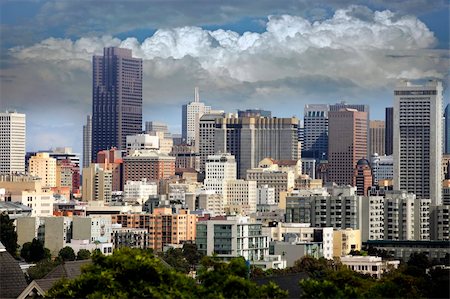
(196, 95)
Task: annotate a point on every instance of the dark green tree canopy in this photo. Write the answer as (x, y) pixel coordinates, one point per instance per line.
(8, 235)
(66, 254)
(83, 254)
(34, 251)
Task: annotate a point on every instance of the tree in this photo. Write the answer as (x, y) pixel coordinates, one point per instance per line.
(175, 258)
(83, 254)
(66, 254)
(41, 269)
(8, 234)
(191, 254)
(34, 251)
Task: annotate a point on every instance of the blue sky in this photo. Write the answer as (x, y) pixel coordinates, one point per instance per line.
(277, 55)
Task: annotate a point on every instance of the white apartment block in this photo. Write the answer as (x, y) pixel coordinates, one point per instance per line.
(12, 142)
(239, 197)
(266, 195)
(44, 167)
(139, 191)
(219, 168)
(370, 265)
(142, 142)
(418, 131)
(95, 228)
(191, 114)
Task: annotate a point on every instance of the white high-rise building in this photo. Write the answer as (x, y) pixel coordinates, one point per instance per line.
(418, 139)
(87, 141)
(219, 168)
(191, 114)
(139, 191)
(12, 142)
(142, 142)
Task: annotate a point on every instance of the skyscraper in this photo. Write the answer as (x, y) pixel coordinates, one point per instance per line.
(447, 130)
(191, 114)
(87, 142)
(362, 177)
(116, 98)
(418, 139)
(315, 134)
(377, 136)
(12, 142)
(347, 143)
(389, 134)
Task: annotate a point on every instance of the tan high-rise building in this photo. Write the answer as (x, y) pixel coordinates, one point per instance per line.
(377, 132)
(347, 143)
(43, 166)
(163, 226)
(97, 183)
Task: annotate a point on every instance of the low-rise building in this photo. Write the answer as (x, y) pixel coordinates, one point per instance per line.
(346, 240)
(370, 265)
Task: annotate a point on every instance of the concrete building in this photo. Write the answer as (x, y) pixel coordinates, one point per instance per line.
(142, 142)
(309, 166)
(265, 195)
(346, 240)
(12, 142)
(97, 183)
(14, 209)
(440, 227)
(191, 114)
(389, 132)
(116, 98)
(292, 251)
(377, 136)
(252, 139)
(347, 143)
(280, 181)
(95, 228)
(87, 142)
(44, 167)
(139, 191)
(207, 129)
(362, 177)
(232, 237)
(219, 168)
(369, 265)
(382, 168)
(239, 197)
(186, 156)
(210, 201)
(56, 232)
(155, 126)
(163, 226)
(254, 113)
(315, 131)
(28, 191)
(418, 139)
(447, 129)
(148, 164)
(130, 237)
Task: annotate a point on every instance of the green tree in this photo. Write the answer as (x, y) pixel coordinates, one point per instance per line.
(34, 251)
(191, 254)
(8, 234)
(66, 254)
(41, 269)
(175, 258)
(83, 254)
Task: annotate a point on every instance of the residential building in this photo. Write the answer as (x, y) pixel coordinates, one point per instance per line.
(219, 168)
(440, 225)
(95, 228)
(362, 177)
(12, 142)
(389, 133)
(347, 143)
(266, 195)
(210, 201)
(369, 265)
(239, 197)
(315, 134)
(148, 164)
(191, 114)
(87, 142)
(130, 237)
(116, 98)
(418, 139)
(97, 183)
(280, 181)
(44, 167)
(139, 191)
(232, 237)
(377, 135)
(346, 240)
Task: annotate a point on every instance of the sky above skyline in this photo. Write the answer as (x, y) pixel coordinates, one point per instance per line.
(275, 55)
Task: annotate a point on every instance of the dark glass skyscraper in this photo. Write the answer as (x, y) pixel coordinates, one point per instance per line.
(116, 99)
(389, 135)
(447, 130)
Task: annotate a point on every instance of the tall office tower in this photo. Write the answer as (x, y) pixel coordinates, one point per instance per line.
(207, 127)
(362, 177)
(347, 143)
(252, 139)
(43, 166)
(389, 134)
(447, 130)
(87, 142)
(116, 98)
(418, 139)
(377, 136)
(151, 127)
(12, 142)
(219, 169)
(344, 105)
(315, 132)
(254, 113)
(191, 114)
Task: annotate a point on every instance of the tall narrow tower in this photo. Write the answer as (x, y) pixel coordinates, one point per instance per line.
(418, 139)
(116, 99)
(87, 141)
(191, 114)
(12, 142)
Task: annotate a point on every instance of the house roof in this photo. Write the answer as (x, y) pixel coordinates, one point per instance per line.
(12, 279)
(68, 270)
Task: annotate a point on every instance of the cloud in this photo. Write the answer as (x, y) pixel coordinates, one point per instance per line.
(355, 53)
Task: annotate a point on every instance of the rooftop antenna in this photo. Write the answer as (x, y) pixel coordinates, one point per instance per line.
(196, 95)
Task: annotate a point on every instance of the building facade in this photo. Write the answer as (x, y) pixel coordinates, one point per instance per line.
(150, 165)
(12, 142)
(389, 133)
(87, 142)
(377, 136)
(116, 99)
(191, 114)
(418, 139)
(44, 167)
(315, 133)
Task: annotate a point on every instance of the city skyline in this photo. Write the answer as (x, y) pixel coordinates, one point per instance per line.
(277, 57)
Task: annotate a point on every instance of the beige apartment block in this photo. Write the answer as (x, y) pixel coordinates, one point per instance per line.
(43, 166)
